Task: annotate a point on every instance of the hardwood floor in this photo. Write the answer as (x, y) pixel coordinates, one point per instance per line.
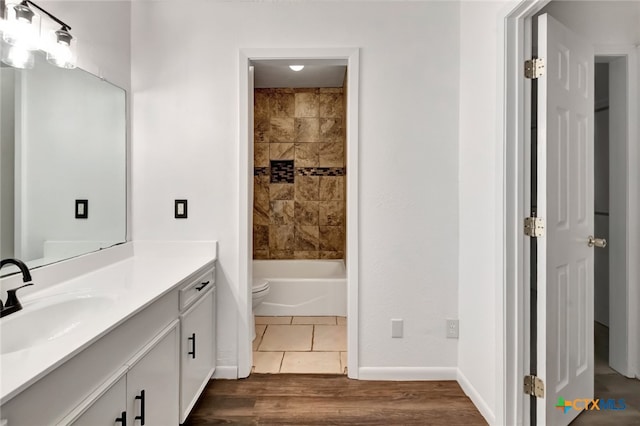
(304, 399)
(609, 384)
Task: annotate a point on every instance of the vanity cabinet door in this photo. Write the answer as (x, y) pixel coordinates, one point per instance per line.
(106, 409)
(197, 351)
(152, 382)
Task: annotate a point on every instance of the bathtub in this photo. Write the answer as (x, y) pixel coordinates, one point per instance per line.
(303, 287)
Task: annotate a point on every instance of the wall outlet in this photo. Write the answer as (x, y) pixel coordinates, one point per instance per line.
(452, 328)
(396, 327)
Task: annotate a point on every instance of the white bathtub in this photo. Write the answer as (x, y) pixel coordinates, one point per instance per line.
(303, 287)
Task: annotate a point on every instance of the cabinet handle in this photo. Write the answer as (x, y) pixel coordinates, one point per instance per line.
(141, 397)
(122, 419)
(193, 350)
(202, 285)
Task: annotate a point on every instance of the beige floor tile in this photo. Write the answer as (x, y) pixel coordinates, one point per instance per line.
(259, 332)
(330, 338)
(314, 320)
(260, 328)
(342, 320)
(287, 338)
(273, 320)
(343, 362)
(267, 362)
(311, 362)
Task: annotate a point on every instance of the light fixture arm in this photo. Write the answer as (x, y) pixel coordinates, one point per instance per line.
(53, 17)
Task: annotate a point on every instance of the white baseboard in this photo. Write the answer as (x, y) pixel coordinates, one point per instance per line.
(226, 372)
(407, 373)
(475, 397)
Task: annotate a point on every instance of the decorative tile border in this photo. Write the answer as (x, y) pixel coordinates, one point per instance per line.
(320, 171)
(261, 171)
(282, 171)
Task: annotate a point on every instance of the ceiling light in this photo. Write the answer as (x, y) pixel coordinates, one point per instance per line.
(296, 67)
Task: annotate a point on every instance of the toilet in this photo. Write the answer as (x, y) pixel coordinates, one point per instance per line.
(259, 292)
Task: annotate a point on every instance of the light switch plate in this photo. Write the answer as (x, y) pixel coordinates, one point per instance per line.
(82, 209)
(180, 209)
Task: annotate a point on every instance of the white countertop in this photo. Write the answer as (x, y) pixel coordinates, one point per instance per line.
(135, 282)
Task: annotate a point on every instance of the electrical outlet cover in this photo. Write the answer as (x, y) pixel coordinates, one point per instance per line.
(452, 329)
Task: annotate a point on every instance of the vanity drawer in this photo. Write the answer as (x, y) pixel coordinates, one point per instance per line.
(196, 288)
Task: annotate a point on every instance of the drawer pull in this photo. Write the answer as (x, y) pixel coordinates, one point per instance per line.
(193, 350)
(202, 285)
(122, 419)
(141, 397)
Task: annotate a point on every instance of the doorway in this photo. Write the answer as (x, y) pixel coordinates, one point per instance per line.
(518, 32)
(299, 217)
(248, 58)
(610, 382)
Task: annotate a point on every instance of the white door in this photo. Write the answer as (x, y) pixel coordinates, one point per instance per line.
(565, 200)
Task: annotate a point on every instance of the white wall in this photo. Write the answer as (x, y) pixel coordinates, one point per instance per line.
(481, 167)
(480, 197)
(103, 31)
(185, 88)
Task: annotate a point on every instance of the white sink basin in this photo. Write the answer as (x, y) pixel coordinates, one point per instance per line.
(42, 321)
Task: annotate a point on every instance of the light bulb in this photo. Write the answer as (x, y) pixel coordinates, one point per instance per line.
(17, 57)
(21, 27)
(296, 67)
(61, 52)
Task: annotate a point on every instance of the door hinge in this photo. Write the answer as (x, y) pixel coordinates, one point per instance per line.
(534, 386)
(534, 227)
(534, 68)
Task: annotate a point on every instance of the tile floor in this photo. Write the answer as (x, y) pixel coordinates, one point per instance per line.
(302, 345)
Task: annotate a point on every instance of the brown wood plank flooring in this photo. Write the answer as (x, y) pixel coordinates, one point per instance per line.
(305, 399)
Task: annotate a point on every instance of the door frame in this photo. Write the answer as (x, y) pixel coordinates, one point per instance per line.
(514, 38)
(622, 292)
(245, 243)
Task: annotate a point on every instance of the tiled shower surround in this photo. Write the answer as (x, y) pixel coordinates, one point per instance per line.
(299, 174)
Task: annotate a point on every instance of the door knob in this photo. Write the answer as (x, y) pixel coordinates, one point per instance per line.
(598, 242)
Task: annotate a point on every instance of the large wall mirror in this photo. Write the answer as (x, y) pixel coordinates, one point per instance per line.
(62, 163)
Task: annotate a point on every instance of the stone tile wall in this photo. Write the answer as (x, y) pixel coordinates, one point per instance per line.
(299, 174)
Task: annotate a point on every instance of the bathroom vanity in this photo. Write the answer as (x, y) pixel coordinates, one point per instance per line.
(124, 334)
(131, 343)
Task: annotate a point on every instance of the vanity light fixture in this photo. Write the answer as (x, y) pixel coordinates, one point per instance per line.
(21, 33)
(21, 26)
(296, 67)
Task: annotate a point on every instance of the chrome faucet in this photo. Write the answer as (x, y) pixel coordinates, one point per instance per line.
(13, 304)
